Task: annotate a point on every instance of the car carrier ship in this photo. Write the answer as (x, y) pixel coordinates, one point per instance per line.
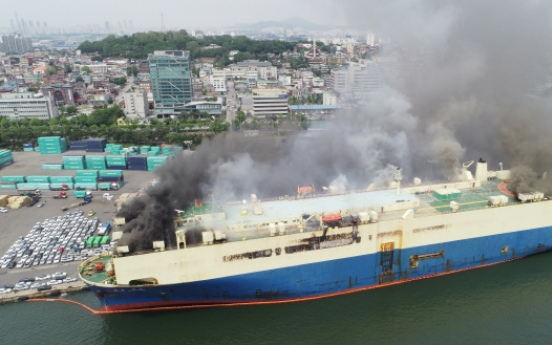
(311, 246)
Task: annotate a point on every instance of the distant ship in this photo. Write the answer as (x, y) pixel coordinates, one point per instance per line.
(318, 245)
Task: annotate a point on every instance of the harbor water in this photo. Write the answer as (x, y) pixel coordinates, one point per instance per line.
(504, 304)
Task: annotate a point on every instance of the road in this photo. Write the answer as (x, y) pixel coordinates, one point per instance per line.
(232, 102)
(120, 97)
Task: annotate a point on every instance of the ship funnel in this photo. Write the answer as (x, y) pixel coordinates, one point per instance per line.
(500, 166)
(481, 170)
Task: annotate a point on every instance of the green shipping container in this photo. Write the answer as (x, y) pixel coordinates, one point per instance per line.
(38, 179)
(95, 158)
(29, 186)
(95, 166)
(90, 241)
(86, 185)
(93, 173)
(105, 240)
(104, 186)
(97, 241)
(111, 157)
(117, 173)
(79, 193)
(86, 179)
(61, 179)
(8, 186)
(52, 166)
(13, 179)
(60, 185)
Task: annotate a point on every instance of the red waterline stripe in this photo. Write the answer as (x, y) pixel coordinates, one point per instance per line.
(238, 304)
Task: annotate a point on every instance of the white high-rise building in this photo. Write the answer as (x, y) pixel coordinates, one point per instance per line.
(370, 38)
(356, 78)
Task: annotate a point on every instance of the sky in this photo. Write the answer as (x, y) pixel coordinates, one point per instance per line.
(176, 14)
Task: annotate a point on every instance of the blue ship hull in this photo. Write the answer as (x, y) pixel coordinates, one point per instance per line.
(332, 277)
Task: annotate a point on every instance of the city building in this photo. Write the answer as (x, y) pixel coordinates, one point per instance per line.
(15, 44)
(254, 69)
(363, 78)
(17, 106)
(61, 94)
(99, 69)
(269, 102)
(136, 104)
(338, 80)
(329, 98)
(315, 111)
(211, 108)
(171, 80)
(218, 79)
(356, 78)
(370, 38)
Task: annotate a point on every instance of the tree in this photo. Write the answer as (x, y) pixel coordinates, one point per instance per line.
(35, 122)
(240, 116)
(119, 81)
(68, 69)
(51, 70)
(86, 69)
(79, 79)
(71, 110)
(134, 71)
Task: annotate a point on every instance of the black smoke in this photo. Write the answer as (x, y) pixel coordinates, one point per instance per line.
(460, 80)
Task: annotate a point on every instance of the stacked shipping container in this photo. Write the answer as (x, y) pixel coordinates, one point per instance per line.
(6, 158)
(96, 145)
(52, 145)
(74, 162)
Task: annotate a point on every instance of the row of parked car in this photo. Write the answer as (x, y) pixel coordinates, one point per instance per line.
(41, 282)
(55, 240)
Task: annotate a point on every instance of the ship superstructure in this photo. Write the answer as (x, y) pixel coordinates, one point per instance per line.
(310, 245)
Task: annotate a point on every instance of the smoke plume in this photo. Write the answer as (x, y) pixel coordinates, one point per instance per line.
(460, 80)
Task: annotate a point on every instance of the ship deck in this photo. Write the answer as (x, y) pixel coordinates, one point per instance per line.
(87, 273)
(469, 200)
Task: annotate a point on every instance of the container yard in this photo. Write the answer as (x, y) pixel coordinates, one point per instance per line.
(18, 222)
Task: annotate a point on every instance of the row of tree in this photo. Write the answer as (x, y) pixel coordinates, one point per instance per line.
(14, 137)
(139, 45)
(104, 122)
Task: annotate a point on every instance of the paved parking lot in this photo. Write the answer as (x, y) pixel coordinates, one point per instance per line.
(18, 223)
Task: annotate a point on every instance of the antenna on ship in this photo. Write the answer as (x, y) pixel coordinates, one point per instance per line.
(398, 178)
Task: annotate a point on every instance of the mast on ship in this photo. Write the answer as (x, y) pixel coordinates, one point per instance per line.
(398, 178)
